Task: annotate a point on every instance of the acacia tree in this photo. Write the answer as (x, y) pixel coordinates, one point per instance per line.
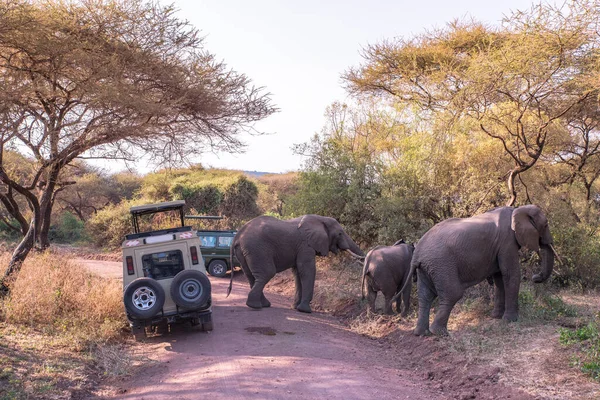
(515, 82)
(107, 79)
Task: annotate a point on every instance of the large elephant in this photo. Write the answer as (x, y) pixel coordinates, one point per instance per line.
(387, 269)
(461, 252)
(267, 245)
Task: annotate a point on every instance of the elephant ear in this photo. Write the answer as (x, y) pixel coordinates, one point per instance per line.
(525, 231)
(315, 233)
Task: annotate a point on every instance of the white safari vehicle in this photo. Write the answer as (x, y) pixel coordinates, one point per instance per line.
(164, 279)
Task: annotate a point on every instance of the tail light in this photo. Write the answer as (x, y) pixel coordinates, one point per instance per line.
(129, 261)
(194, 254)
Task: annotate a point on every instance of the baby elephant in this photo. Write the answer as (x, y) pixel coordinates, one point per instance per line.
(387, 269)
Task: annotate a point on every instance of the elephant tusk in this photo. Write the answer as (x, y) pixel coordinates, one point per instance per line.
(356, 255)
(556, 254)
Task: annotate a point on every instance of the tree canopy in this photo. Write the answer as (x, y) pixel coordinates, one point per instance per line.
(108, 79)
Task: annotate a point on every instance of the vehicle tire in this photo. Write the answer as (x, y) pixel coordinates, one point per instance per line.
(207, 326)
(217, 268)
(143, 298)
(190, 289)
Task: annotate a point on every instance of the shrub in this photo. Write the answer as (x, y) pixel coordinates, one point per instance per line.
(68, 229)
(579, 248)
(542, 305)
(57, 295)
(587, 339)
(108, 227)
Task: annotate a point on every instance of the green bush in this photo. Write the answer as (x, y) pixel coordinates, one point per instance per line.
(108, 227)
(542, 306)
(68, 229)
(579, 248)
(8, 234)
(587, 341)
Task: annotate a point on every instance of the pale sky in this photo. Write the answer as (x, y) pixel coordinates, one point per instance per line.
(297, 50)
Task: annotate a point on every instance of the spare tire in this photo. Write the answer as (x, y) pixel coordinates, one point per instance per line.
(190, 289)
(143, 298)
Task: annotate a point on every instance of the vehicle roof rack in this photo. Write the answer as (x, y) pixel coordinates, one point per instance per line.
(157, 207)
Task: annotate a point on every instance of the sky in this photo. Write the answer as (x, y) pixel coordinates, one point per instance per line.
(297, 51)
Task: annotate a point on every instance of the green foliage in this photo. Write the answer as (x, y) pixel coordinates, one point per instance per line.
(108, 227)
(7, 233)
(586, 340)
(239, 200)
(543, 305)
(68, 229)
(205, 200)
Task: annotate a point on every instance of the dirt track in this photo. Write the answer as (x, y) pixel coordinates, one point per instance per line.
(279, 353)
(273, 353)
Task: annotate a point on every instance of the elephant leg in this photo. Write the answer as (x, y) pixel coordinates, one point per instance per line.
(406, 300)
(398, 304)
(449, 294)
(439, 326)
(498, 310)
(427, 294)
(387, 308)
(511, 277)
(256, 297)
(307, 272)
(298, 284)
(371, 294)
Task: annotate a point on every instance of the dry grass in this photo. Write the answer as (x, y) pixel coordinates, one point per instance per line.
(61, 330)
(56, 295)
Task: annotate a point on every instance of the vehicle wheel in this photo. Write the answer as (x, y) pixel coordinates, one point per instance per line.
(207, 326)
(217, 268)
(144, 298)
(190, 289)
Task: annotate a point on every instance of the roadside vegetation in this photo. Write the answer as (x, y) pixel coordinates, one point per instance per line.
(62, 330)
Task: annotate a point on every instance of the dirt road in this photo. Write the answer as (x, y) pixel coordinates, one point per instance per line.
(275, 353)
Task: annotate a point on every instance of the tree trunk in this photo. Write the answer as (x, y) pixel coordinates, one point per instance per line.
(18, 256)
(46, 203)
(511, 188)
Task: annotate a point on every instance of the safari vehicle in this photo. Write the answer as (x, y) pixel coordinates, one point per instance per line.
(164, 279)
(216, 250)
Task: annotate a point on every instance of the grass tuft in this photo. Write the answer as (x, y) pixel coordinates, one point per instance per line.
(586, 341)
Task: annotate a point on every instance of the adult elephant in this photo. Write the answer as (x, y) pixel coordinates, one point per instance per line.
(267, 245)
(461, 252)
(387, 269)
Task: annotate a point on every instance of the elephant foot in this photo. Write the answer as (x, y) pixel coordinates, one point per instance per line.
(438, 330)
(497, 314)
(404, 314)
(510, 317)
(254, 305)
(304, 308)
(421, 332)
(265, 303)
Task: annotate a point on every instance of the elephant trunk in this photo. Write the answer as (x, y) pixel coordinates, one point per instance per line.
(354, 249)
(547, 256)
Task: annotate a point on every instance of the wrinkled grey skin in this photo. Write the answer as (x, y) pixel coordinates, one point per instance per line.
(386, 269)
(461, 252)
(267, 245)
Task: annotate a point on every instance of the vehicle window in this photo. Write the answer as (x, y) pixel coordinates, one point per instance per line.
(208, 241)
(162, 265)
(225, 241)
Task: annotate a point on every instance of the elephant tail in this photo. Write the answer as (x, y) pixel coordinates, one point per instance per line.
(231, 255)
(364, 274)
(413, 268)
